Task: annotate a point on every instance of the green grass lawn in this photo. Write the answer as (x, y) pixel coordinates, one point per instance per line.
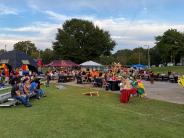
(178, 69)
(70, 114)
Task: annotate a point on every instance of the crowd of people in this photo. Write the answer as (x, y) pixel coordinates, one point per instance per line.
(23, 86)
(26, 85)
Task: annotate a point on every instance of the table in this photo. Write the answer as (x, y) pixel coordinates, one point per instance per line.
(114, 85)
(65, 78)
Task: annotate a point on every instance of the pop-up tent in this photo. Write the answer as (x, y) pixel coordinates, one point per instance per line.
(15, 59)
(139, 66)
(62, 63)
(91, 65)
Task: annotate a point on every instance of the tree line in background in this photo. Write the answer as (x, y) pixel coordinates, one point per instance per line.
(80, 40)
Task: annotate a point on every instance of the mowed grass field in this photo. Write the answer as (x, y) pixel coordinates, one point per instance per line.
(178, 69)
(68, 113)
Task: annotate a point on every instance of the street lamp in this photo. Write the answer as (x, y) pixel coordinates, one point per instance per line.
(139, 55)
(148, 55)
(5, 47)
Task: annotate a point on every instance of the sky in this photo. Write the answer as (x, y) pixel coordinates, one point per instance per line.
(131, 23)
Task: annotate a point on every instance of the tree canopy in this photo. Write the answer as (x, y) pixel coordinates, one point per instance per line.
(80, 40)
(2, 51)
(28, 47)
(47, 55)
(170, 45)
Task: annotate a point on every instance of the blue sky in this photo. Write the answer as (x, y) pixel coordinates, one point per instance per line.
(131, 23)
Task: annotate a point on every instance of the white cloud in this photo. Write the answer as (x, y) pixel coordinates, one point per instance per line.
(62, 18)
(4, 10)
(56, 16)
(45, 35)
(127, 34)
(137, 33)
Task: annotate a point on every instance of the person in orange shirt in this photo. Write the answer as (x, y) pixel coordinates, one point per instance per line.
(6, 70)
(96, 73)
(93, 73)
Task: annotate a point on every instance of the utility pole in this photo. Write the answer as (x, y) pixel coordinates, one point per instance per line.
(149, 57)
(26, 48)
(149, 63)
(5, 47)
(139, 56)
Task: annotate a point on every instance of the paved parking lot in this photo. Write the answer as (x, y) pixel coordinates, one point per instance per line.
(166, 91)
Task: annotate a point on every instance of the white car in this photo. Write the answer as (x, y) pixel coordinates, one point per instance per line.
(170, 64)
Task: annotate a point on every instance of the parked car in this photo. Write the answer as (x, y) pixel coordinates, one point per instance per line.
(161, 65)
(179, 64)
(170, 64)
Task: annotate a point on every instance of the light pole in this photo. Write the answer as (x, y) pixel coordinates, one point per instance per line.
(139, 56)
(26, 48)
(5, 47)
(148, 55)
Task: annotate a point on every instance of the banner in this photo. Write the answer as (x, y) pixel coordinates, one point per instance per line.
(39, 62)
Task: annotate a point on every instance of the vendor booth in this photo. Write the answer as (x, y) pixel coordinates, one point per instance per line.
(62, 63)
(91, 65)
(13, 60)
(139, 66)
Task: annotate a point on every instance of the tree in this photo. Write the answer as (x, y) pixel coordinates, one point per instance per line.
(27, 47)
(47, 56)
(2, 51)
(122, 56)
(80, 40)
(129, 57)
(170, 45)
(106, 60)
(155, 56)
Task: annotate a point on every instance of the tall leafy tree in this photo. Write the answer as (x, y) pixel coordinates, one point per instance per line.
(106, 60)
(27, 47)
(2, 51)
(155, 56)
(80, 40)
(129, 57)
(170, 45)
(123, 56)
(47, 55)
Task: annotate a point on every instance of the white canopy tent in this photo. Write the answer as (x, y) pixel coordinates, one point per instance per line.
(91, 65)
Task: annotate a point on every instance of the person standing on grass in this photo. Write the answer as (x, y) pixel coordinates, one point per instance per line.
(151, 77)
(48, 79)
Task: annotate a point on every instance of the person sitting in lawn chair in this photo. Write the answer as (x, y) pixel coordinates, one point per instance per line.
(26, 88)
(20, 96)
(33, 89)
(26, 85)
